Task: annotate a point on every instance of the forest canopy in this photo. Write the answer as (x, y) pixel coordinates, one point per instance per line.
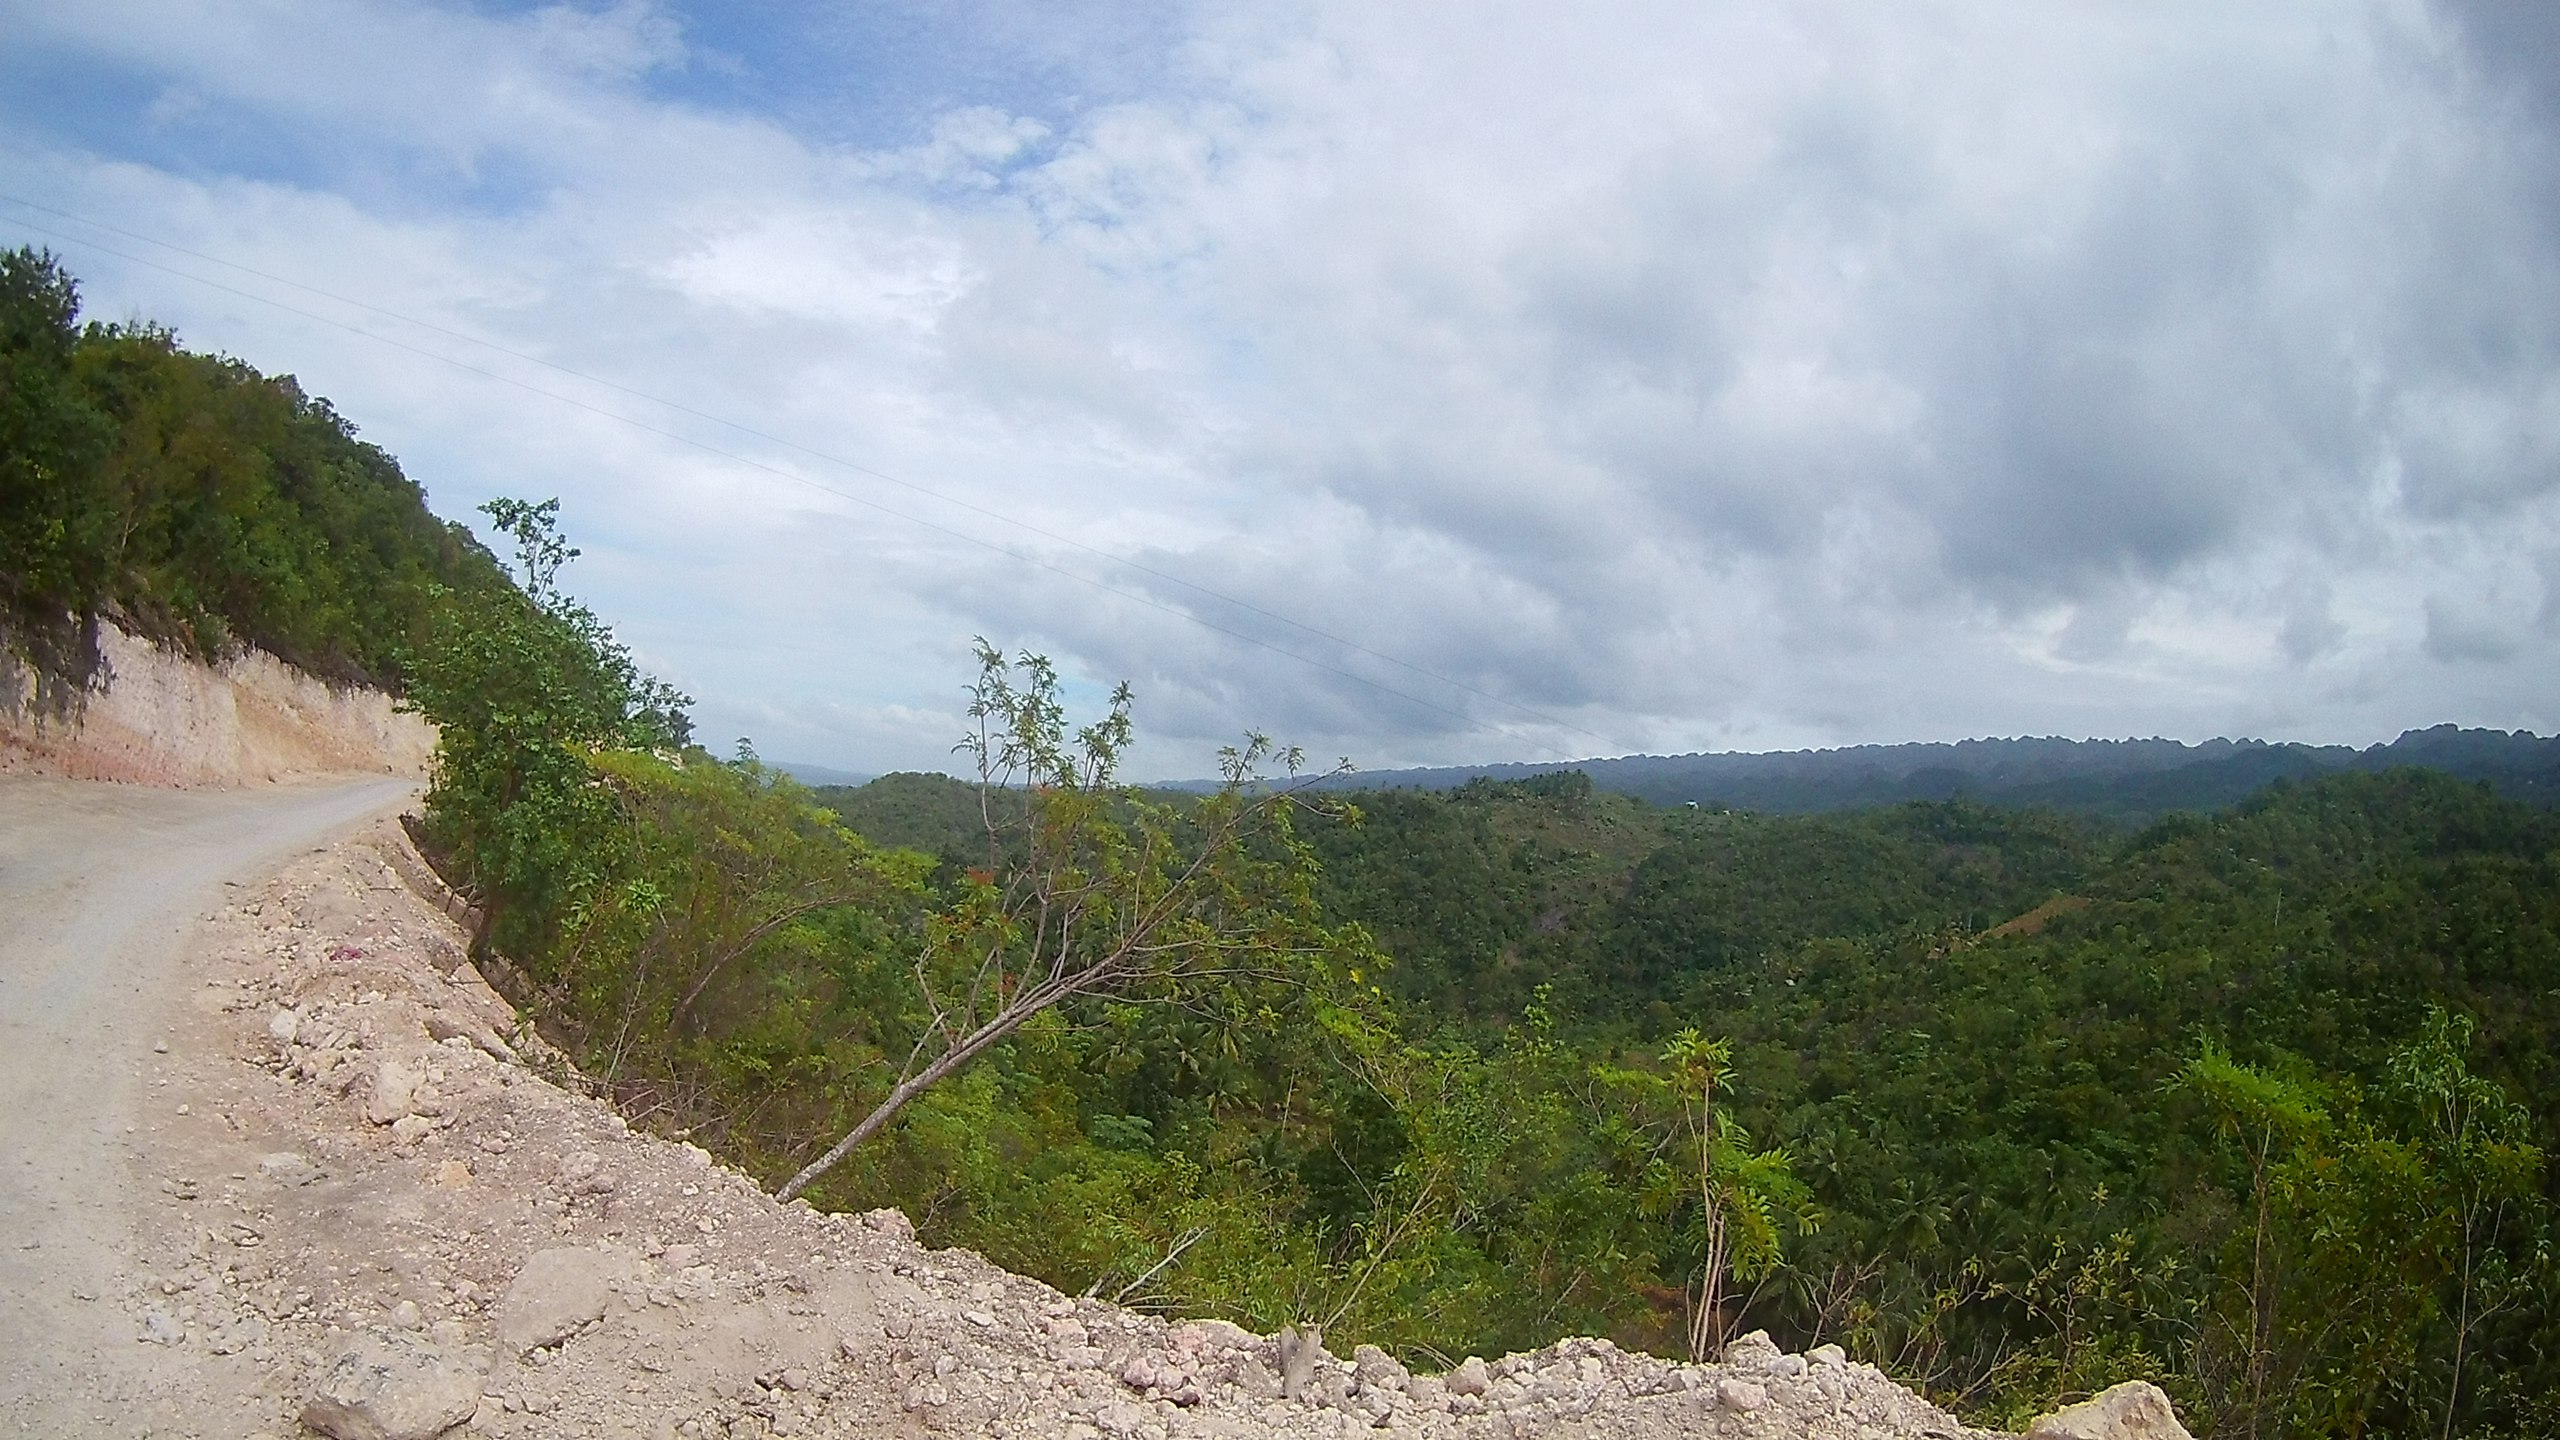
(2022, 1065)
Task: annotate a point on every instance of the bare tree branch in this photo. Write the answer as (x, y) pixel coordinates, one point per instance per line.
(1110, 895)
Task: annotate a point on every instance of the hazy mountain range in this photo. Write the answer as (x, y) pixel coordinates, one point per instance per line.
(2131, 780)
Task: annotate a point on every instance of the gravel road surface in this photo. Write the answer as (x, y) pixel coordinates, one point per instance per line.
(100, 886)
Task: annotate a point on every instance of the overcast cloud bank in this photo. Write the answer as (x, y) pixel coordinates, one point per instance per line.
(1644, 377)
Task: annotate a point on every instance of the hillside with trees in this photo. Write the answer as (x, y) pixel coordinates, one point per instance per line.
(2256, 1103)
(198, 503)
(2014, 1102)
(2126, 782)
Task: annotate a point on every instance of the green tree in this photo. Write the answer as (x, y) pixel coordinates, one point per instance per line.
(55, 525)
(525, 687)
(1114, 895)
(2482, 1174)
(2273, 1119)
(1741, 1191)
(713, 924)
(193, 501)
(2358, 1235)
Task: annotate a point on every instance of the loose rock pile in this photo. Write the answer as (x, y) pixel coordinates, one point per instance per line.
(420, 1232)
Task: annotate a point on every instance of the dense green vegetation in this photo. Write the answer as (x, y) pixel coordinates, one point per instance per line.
(2033, 1074)
(196, 502)
(2123, 782)
(2256, 1103)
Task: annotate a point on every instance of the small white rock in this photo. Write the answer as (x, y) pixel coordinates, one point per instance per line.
(395, 1086)
(1754, 1351)
(557, 1293)
(288, 1169)
(2134, 1410)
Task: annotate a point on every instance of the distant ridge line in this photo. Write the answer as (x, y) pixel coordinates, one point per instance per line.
(2130, 779)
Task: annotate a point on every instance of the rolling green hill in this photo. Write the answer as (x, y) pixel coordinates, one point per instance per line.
(2129, 782)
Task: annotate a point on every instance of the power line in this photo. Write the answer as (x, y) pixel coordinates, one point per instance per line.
(837, 460)
(1135, 597)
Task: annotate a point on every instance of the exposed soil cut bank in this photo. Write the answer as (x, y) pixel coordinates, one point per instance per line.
(167, 720)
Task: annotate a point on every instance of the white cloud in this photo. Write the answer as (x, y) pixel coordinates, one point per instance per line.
(1648, 374)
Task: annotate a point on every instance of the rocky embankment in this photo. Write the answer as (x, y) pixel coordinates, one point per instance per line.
(388, 1210)
(167, 720)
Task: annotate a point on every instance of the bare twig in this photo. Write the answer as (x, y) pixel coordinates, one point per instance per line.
(1185, 1243)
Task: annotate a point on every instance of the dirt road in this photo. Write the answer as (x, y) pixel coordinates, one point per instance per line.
(99, 886)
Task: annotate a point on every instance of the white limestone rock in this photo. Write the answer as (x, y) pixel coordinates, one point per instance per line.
(392, 1387)
(558, 1293)
(395, 1090)
(1755, 1351)
(2134, 1410)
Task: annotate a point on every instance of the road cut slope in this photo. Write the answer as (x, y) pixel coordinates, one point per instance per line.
(164, 719)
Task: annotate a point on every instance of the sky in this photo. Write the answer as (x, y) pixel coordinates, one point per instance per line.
(1417, 383)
